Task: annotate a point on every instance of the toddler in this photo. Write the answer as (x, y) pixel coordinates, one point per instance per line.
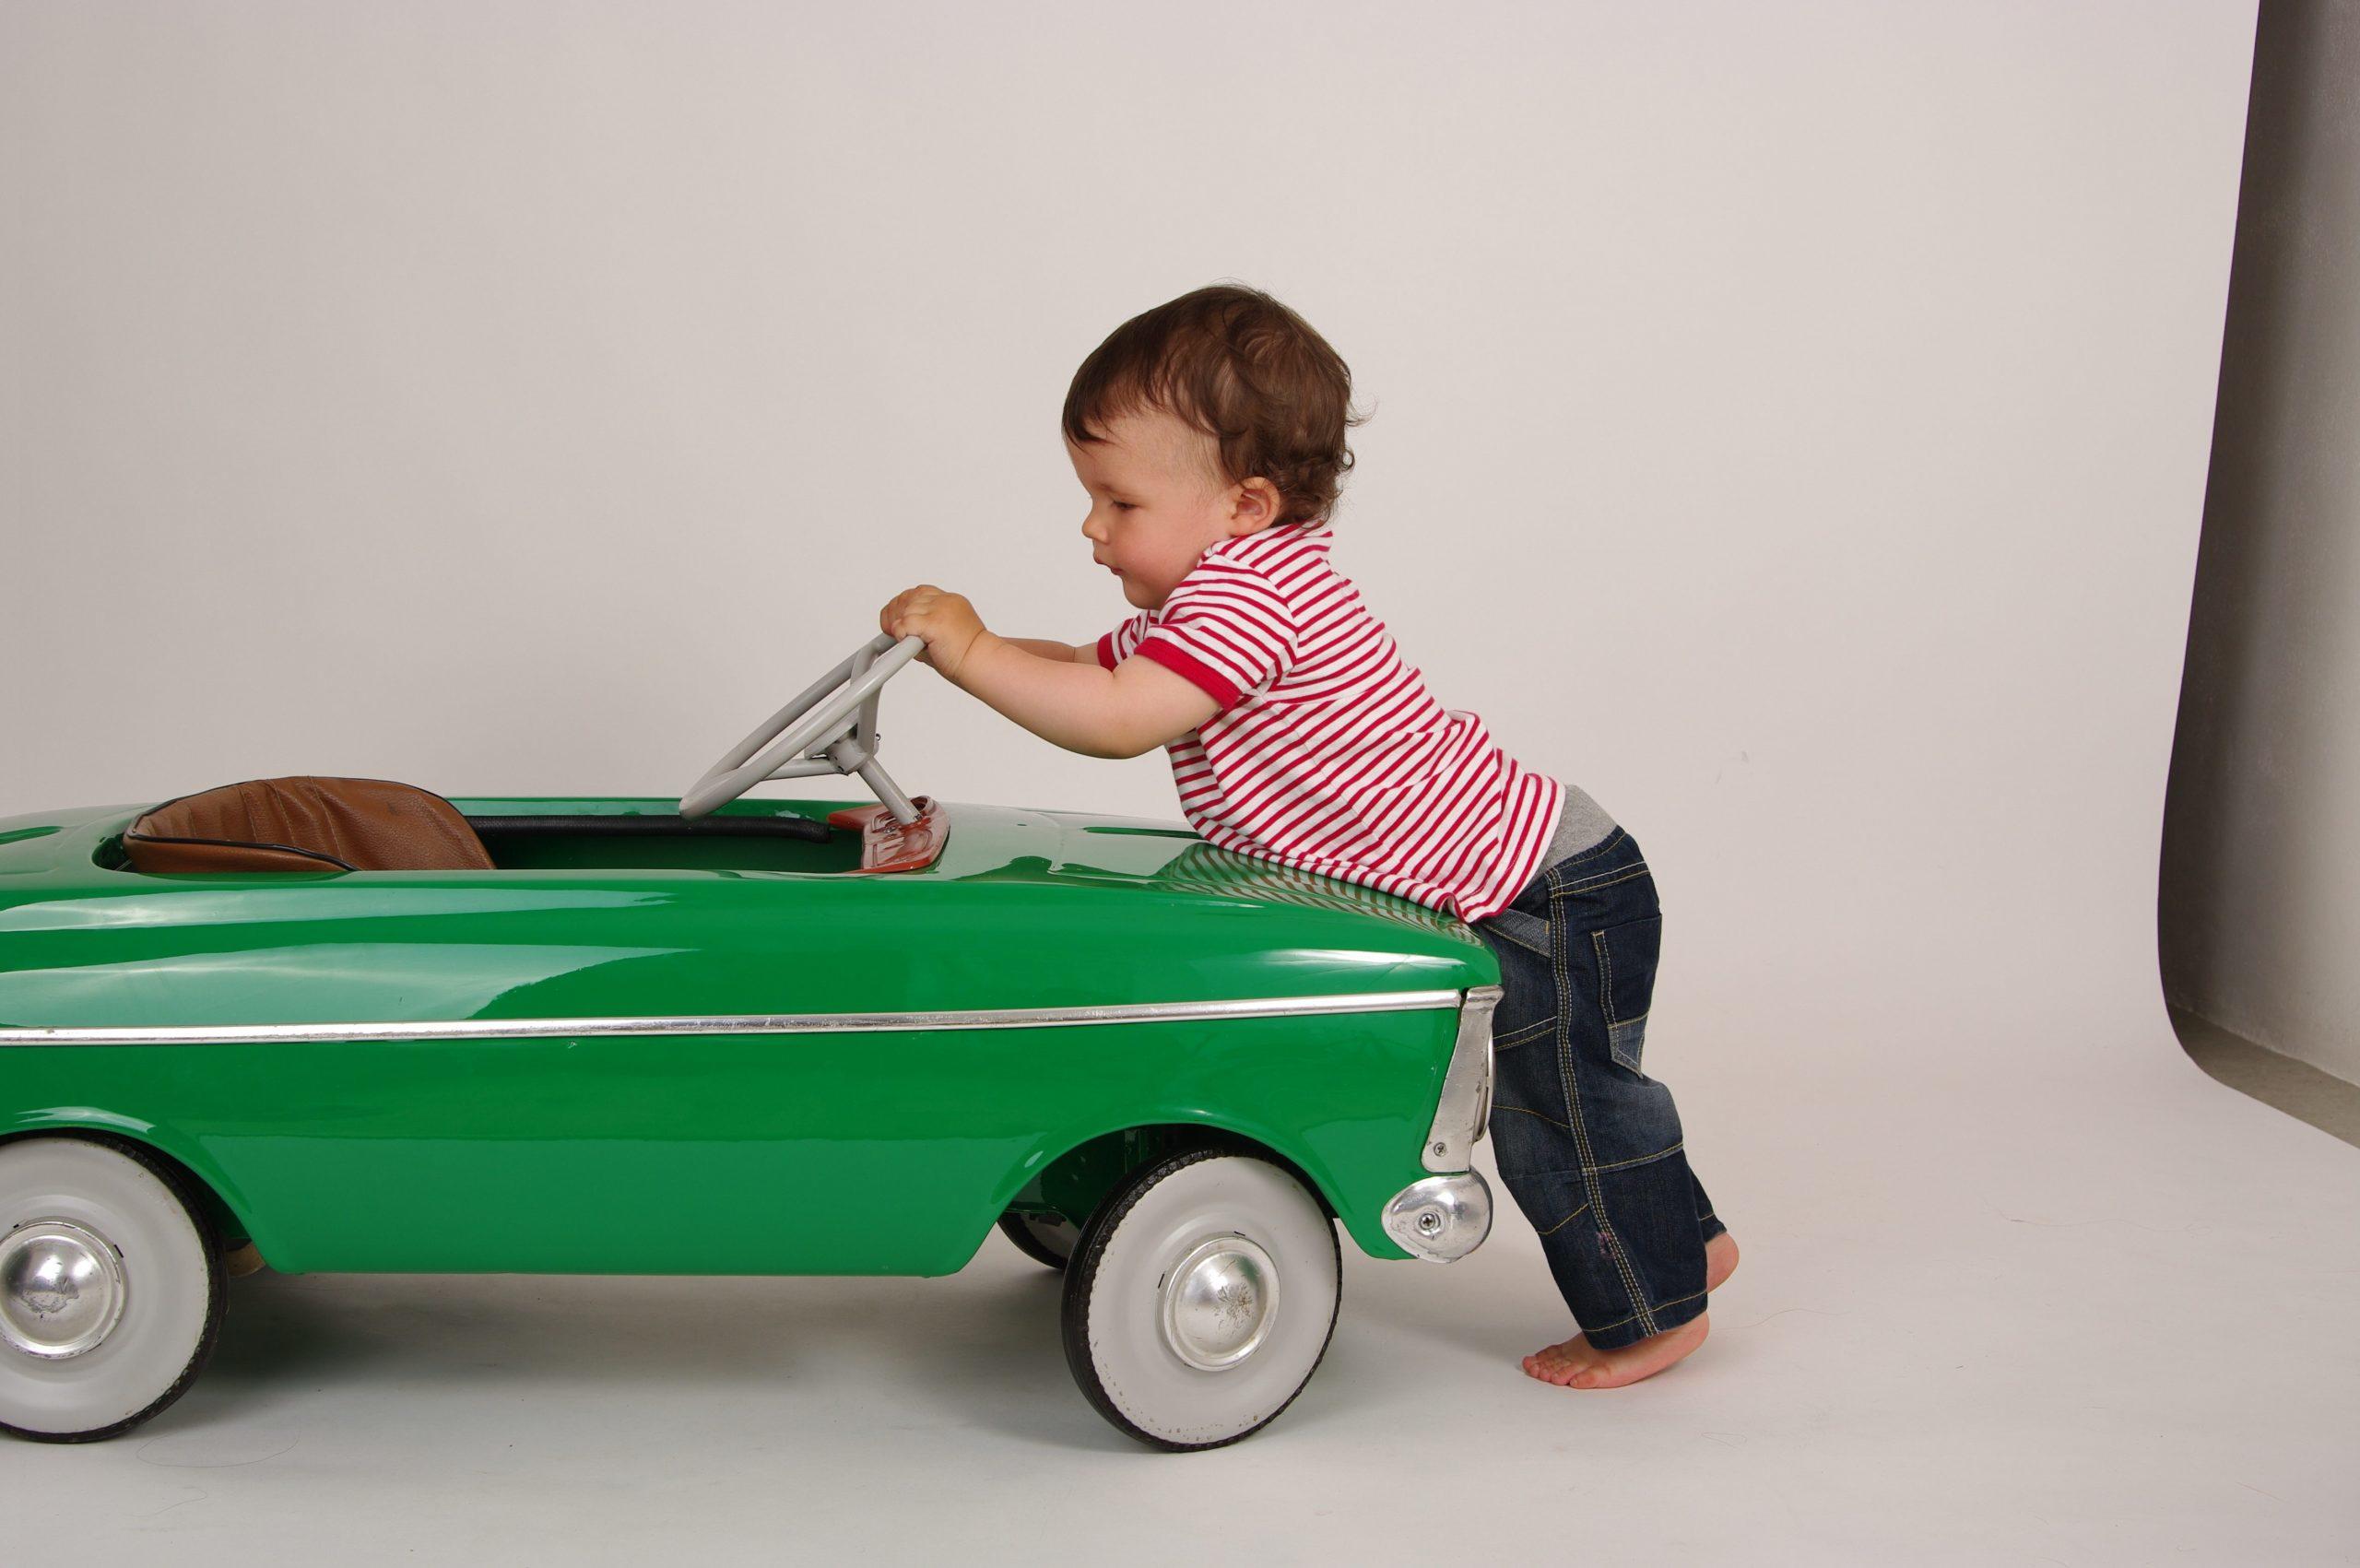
(1209, 433)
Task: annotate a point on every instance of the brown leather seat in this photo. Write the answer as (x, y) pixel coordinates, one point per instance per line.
(306, 824)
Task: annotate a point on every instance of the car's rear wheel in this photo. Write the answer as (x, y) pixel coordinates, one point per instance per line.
(111, 1288)
(1044, 1238)
(1201, 1298)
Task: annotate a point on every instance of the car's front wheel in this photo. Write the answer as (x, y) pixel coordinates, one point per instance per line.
(110, 1287)
(1201, 1298)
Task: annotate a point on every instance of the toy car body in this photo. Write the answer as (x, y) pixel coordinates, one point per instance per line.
(727, 1032)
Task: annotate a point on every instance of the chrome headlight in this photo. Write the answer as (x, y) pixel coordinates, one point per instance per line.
(1442, 1218)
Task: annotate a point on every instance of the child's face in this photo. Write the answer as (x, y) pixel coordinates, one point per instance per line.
(1155, 503)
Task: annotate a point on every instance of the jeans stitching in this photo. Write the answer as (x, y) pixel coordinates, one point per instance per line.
(1566, 1222)
(1586, 1168)
(1557, 927)
(1644, 1159)
(1606, 1001)
(1605, 979)
(1530, 1032)
(1602, 1328)
(1603, 880)
(1527, 1111)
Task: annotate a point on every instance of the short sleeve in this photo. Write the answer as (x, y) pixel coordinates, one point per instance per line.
(1116, 645)
(1224, 627)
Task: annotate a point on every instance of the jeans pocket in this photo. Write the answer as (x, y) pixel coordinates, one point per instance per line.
(1627, 956)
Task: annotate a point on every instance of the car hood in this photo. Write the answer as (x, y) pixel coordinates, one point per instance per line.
(1163, 857)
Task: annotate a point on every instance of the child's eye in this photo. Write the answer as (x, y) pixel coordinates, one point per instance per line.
(1125, 506)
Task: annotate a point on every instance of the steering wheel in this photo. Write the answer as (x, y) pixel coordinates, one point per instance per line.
(820, 744)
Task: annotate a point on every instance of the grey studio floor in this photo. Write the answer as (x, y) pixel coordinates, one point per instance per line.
(2071, 1315)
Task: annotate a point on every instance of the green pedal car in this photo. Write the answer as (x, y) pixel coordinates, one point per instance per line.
(352, 1025)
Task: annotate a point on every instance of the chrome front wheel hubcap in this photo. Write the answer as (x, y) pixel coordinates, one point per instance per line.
(1219, 1303)
(60, 1288)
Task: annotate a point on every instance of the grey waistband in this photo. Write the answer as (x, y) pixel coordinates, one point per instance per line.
(1583, 824)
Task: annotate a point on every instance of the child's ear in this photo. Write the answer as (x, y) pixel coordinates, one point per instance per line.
(1257, 506)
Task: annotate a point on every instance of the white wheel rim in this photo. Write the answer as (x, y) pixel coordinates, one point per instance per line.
(153, 1287)
(1212, 1300)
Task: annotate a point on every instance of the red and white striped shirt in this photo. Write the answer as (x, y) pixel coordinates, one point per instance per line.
(1328, 753)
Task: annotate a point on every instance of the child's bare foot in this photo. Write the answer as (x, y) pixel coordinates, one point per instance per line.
(1720, 1260)
(1576, 1364)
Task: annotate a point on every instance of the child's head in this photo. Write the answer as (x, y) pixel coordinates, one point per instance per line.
(1212, 416)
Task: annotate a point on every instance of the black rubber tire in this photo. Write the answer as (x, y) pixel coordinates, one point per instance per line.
(1013, 1226)
(216, 1292)
(1081, 1275)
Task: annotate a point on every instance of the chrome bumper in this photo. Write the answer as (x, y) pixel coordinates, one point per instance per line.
(1465, 1103)
(1446, 1216)
(1442, 1218)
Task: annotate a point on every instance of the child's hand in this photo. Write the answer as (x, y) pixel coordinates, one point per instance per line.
(947, 621)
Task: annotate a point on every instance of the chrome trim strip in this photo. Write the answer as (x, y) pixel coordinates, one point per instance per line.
(734, 1023)
(1465, 1103)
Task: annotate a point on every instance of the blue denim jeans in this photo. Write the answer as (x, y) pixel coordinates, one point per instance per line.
(1588, 1145)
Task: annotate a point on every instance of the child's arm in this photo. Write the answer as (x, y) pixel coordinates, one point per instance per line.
(1099, 713)
(1124, 711)
(1043, 648)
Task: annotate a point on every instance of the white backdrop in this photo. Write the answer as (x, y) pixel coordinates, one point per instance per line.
(1790, 425)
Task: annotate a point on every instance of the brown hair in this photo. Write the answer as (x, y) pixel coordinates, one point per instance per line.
(1241, 368)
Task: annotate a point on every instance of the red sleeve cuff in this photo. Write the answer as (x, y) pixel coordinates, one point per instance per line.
(1200, 674)
(1106, 649)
